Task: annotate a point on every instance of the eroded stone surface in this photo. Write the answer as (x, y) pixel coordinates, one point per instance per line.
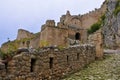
(49, 64)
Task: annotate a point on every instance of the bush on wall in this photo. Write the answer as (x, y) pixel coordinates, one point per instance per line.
(96, 26)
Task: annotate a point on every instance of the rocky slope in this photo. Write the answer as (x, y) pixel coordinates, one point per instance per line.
(107, 69)
(111, 28)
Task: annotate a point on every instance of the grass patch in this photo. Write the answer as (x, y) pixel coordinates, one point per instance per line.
(44, 43)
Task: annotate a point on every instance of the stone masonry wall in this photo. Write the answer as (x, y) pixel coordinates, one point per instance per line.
(93, 16)
(97, 40)
(82, 21)
(59, 36)
(52, 64)
(23, 34)
(53, 36)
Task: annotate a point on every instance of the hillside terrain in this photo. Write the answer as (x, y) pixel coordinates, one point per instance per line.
(107, 69)
(111, 26)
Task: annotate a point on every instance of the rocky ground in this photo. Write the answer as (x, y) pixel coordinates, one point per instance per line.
(106, 69)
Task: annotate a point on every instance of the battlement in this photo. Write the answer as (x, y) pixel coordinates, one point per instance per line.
(50, 23)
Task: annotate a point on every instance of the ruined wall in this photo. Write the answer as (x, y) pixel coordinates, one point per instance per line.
(35, 42)
(22, 42)
(69, 20)
(23, 34)
(51, 64)
(97, 40)
(93, 16)
(53, 36)
(82, 21)
(59, 36)
(68, 26)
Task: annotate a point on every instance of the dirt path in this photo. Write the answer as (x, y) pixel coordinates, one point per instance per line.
(107, 69)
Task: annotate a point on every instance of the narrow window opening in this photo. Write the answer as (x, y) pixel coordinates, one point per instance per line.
(6, 66)
(101, 45)
(78, 56)
(77, 36)
(23, 43)
(67, 59)
(33, 65)
(6, 59)
(51, 62)
(28, 44)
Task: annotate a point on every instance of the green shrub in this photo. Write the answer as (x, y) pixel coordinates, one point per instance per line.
(103, 17)
(2, 54)
(61, 47)
(94, 27)
(117, 8)
(117, 4)
(12, 46)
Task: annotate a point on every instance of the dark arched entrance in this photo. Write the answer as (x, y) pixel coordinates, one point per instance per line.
(77, 36)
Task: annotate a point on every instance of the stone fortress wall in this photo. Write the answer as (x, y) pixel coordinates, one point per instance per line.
(52, 64)
(70, 27)
(55, 64)
(56, 35)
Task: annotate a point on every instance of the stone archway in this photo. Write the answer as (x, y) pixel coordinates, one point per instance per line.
(77, 36)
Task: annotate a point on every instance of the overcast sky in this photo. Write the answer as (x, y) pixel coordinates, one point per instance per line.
(31, 14)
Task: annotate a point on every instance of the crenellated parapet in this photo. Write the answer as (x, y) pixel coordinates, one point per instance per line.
(50, 23)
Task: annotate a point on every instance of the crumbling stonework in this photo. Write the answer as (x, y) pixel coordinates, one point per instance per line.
(82, 21)
(50, 64)
(23, 34)
(68, 27)
(54, 64)
(97, 40)
(55, 35)
(71, 29)
(31, 41)
(24, 37)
